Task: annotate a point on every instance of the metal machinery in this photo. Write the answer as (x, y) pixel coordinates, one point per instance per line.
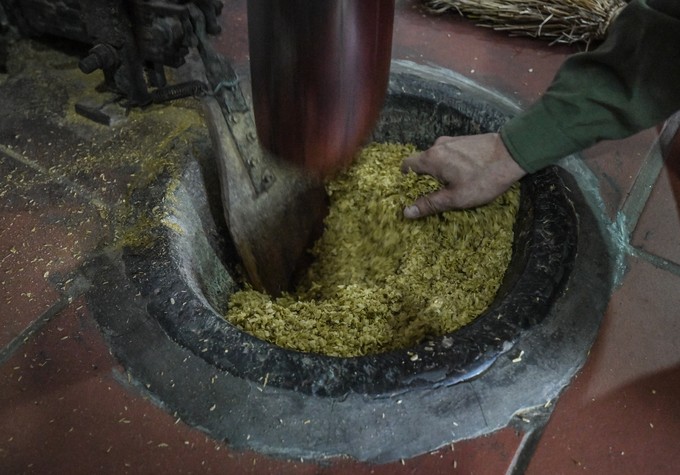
(319, 73)
(132, 41)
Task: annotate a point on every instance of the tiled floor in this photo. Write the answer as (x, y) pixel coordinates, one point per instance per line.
(68, 407)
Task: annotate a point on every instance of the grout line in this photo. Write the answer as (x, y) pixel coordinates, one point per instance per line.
(668, 133)
(642, 187)
(80, 285)
(92, 198)
(634, 205)
(525, 451)
(536, 423)
(658, 262)
(8, 350)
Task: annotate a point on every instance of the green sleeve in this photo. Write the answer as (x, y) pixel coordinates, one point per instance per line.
(630, 83)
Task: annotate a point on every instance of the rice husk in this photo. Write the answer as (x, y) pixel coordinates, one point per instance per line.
(380, 282)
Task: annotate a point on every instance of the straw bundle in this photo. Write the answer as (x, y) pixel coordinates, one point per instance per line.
(562, 21)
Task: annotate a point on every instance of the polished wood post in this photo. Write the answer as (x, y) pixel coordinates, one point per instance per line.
(319, 72)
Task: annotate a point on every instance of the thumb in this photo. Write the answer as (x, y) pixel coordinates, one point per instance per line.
(429, 204)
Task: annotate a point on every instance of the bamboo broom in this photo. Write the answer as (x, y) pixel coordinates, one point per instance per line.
(561, 21)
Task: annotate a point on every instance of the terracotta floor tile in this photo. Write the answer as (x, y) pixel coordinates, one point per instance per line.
(633, 430)
(616, 165)
(234, 45)
(485, 455)
(66, 406)
(45, 232)
(519, 67)
(61, 403)
(63, 398)
(640, 333)
(621, 415)
(658, 230)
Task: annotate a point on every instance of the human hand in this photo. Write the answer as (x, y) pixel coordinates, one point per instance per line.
(472, 169)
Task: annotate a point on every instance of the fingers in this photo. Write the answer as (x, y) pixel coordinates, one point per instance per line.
(473, 170)
(433, 160)
(414, 163)
(426, 163)
(427, 205)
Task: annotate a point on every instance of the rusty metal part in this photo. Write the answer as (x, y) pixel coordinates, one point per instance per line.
(272, 222)
(178, 91)
(273, 210)
(131, 41)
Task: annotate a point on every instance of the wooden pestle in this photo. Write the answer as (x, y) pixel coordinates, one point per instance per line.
(319, 73)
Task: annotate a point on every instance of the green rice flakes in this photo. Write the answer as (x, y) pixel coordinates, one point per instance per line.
(380, 282)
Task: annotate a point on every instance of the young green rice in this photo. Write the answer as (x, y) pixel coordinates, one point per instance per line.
(380, 282)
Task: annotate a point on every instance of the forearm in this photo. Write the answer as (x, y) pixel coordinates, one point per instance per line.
(631, 82)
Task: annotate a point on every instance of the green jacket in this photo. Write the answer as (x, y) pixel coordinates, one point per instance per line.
(629, 83)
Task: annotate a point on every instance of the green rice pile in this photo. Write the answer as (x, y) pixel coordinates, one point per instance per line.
(380, 282)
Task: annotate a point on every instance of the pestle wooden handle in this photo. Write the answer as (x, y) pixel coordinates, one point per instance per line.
(319, 72)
